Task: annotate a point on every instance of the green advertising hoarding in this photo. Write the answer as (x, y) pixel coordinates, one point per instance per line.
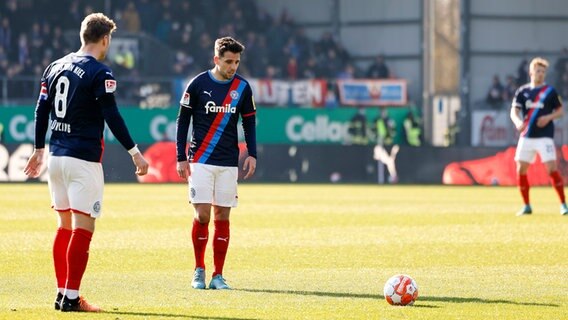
(274, 125)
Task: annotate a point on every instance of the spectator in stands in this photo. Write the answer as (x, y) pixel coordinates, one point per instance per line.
(331, 96)
(385, 128)
(379, 69)
(201, 55)
(348, 72)
(311, 69)
(412, 130)
(358, 127)
(6, 34)
(510, 88)
(57, 43)
(3, 61)
(183, 64)
(560, 67)
(35, 42)
(330, 64)
(147, 10)
(495, 93)
(23, 49)
(74, 14)
(523, 72)
(563, 89)
(131, 18)
(124, 59)
(292, 68)
(258, 55)
(276, 38)
(164, 27)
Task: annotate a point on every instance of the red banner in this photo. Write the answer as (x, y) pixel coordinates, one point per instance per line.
(284, 93)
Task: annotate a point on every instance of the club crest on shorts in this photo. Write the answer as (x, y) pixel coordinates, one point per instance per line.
(192, 192)
(234, 94)
(97, 207)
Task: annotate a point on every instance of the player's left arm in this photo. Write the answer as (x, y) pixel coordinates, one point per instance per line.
(248, 115)
(105, 86)
(558, 111)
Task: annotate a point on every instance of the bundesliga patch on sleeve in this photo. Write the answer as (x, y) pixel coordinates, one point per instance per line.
(110, 86)
(185, 99)
(43, 91)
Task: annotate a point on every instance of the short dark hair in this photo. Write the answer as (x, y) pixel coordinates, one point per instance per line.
(95, 26)
(225, 44)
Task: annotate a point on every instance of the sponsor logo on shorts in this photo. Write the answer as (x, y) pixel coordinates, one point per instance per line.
(192, 192)
(97, 207)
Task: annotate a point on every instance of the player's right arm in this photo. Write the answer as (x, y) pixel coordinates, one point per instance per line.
(182, 127)
(516, 112)
(43, 108)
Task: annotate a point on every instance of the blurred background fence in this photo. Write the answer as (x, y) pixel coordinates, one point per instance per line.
(435, 74)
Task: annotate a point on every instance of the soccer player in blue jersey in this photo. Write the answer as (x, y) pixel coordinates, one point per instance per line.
(535, 106)
(214, 100)
(77, 92)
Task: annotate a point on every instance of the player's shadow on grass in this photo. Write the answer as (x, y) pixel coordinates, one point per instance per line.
(171, 315)
(381, 297)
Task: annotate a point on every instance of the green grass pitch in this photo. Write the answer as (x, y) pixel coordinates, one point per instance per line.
(299, 252)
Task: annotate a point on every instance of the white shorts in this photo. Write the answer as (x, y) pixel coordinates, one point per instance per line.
(527, 148)
(76, 185)
(213, 184)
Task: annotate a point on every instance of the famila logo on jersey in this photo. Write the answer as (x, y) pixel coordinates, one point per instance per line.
(211, 107)
(534, 105)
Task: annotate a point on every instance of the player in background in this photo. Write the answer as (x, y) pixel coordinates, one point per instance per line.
(214, 100)
(535, 106)
(77, 91)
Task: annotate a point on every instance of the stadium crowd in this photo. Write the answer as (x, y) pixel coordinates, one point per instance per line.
(499, 95)
(32, 34)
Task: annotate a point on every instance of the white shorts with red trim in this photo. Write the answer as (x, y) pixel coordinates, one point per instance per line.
(527, 148)
(76, 185)
(213, 184)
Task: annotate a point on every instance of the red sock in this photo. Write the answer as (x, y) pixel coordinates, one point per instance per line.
(77, 257)
(60, 245)
(220, 245)
(558, 185)
(524, 187)
(199, 236)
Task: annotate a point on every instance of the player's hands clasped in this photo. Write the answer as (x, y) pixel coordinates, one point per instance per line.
(140, 163)
(33, 166)
(182, 168)
(249, 166)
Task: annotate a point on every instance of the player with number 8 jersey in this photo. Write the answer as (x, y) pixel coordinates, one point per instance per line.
(77, 91)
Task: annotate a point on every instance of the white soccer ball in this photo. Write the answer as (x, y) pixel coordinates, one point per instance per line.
(401, 290)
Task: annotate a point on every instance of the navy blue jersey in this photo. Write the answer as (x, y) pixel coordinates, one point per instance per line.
(72, 89)
(535, 102)
(215, 107)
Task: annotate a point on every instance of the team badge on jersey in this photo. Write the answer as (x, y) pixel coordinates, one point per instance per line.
(43, 91)
(110, 86)
(234, 94)
(185, 99)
